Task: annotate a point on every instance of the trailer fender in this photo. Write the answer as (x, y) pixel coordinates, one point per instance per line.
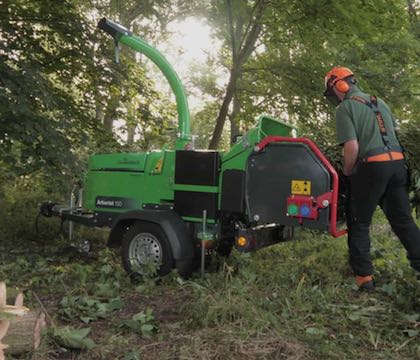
(171, 223)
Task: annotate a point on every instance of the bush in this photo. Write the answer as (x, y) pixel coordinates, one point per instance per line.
(19, 207)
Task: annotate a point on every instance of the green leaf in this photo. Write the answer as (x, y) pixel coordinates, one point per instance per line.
(388, 289)
(131, 324)
(105, 290)
(141, 317)
(73, 338)
(115, 304)
(412, 333)
(86, 319)
(354, 316)
(411, 318)
(141, 322)
(147, 328)
(315, 331)
(132, 355)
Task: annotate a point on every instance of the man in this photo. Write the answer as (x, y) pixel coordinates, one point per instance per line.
(374, 164)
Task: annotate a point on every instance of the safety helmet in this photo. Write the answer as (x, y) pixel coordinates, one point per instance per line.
(334, 77)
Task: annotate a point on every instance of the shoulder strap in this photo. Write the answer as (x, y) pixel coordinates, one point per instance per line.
(373, 104)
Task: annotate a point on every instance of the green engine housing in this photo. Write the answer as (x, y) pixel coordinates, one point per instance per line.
(127, 181)
(178, 179)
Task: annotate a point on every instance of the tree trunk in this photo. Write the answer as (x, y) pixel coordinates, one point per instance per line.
(234, 125)
(111, 113)
(241, 57)
(412, 12)
(131, 121)
(99, 113)
(130, 135)
(108, 123)
(220, 121)
(24, 334)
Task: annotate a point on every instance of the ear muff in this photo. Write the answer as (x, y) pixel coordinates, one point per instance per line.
(342, 86)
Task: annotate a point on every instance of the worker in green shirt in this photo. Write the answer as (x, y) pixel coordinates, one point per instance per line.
(375, 170)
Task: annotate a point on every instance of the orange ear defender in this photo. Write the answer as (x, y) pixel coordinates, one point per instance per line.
(336, 77)
(342, 86)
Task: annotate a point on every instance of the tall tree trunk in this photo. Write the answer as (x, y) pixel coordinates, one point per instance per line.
(108, 123)
(234, 126)
(131, 122)
(224, 109)
(412, 12)
(130, 134)
(241, 57)
(110, 113)
(99, 112)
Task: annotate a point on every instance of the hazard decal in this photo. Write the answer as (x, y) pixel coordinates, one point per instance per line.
(301, 187)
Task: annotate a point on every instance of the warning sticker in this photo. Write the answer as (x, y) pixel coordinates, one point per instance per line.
(301, 187)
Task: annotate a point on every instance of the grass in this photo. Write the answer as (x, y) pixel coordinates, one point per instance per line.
(295, 300)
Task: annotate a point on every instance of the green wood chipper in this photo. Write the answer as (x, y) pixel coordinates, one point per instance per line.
(168, 207)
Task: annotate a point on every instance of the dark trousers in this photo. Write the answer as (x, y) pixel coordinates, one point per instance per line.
(384, 184)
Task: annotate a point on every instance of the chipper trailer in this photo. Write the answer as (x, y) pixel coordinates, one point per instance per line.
(166, 207)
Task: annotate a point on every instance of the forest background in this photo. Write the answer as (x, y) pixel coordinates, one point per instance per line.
(63, 97)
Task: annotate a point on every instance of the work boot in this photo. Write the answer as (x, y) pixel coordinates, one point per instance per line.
(365, 283)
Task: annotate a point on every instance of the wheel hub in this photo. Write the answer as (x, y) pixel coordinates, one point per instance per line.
(144, 249)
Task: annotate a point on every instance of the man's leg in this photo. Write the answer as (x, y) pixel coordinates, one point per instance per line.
(396, 206)
(367, 186)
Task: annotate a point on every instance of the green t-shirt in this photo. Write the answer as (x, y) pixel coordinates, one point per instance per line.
(355, 120)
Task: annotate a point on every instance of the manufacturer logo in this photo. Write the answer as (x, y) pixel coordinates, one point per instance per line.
(114, 202)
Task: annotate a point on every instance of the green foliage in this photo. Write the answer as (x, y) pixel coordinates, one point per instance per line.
(142, 323)
(409, 136)
(18, 211)
(305, 290)
(43, 68)
(378, 40)
(61, 91)
(88, 309)
(73, 338)
(285, 299)
(132, 355)
(202, 125)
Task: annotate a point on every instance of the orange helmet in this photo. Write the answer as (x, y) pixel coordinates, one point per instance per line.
(336, 74)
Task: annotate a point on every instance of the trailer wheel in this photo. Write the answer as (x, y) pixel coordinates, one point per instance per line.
(145, 247)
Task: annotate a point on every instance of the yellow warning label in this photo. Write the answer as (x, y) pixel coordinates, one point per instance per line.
(301, 187)
(158, 166)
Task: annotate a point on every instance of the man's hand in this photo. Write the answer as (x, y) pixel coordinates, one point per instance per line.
(350, 154)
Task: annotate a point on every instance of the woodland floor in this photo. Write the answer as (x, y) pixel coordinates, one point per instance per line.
(294, 300)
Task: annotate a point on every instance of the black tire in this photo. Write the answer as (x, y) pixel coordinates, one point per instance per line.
(153, 241)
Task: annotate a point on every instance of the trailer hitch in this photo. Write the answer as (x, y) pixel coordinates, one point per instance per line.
(46, 208)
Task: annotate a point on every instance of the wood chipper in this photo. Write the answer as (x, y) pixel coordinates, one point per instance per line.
(166, 207)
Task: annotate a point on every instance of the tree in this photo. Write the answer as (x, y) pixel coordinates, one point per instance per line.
(242, 44)
(61, 90)
(44, 112)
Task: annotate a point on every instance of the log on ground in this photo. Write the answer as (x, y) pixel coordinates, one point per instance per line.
(25, 333)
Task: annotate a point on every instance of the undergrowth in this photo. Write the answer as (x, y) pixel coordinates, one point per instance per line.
(295, 300)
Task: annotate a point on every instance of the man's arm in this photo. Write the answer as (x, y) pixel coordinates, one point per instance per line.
(350, 154)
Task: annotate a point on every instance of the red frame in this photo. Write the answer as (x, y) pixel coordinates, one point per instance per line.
(334, 203)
